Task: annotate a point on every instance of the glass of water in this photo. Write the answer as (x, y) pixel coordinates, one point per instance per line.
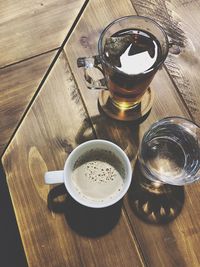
(170, 152)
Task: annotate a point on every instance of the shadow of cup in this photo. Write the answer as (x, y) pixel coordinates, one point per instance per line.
(90, 222)
(154, 203)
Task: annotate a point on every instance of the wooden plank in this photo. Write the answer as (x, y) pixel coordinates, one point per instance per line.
(63, 235)
(29, 28)
(162, 245)
(18, 85)
(181, 20)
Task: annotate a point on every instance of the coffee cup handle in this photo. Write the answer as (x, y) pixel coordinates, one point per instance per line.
(89, 63)
(54, 177)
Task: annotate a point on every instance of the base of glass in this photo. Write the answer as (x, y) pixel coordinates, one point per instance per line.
(135, 113)
(125, 106)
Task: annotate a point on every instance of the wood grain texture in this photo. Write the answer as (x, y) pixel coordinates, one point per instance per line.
(18, 85)
(60, 123)
(57, 231)
(172, 244)
(29, 28)
(181, 20)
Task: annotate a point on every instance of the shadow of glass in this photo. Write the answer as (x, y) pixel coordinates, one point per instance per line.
(85, 221)
(154, 203)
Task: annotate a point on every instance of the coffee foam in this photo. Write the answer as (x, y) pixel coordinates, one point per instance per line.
(98, 175)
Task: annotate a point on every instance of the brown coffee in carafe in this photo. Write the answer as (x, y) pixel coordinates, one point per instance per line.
(134, 55)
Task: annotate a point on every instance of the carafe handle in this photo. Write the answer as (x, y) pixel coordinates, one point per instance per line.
(88, 63)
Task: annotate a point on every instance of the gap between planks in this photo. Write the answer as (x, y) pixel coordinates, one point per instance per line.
(59, 49)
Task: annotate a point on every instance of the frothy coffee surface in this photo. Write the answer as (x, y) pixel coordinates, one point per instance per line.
(98, 175)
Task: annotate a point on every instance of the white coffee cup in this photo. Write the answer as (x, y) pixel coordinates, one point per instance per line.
(64, 176)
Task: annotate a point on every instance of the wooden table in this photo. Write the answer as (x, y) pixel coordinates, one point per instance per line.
(31, 34)
(56, 231)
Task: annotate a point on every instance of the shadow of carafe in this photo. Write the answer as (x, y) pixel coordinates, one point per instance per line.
(124, 134)
(154, 202)
(85, 221)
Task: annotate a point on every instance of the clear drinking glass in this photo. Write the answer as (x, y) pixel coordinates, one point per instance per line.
(170, 152)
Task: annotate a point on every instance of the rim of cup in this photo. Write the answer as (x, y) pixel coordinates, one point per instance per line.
(74, 155)
(136, 17)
